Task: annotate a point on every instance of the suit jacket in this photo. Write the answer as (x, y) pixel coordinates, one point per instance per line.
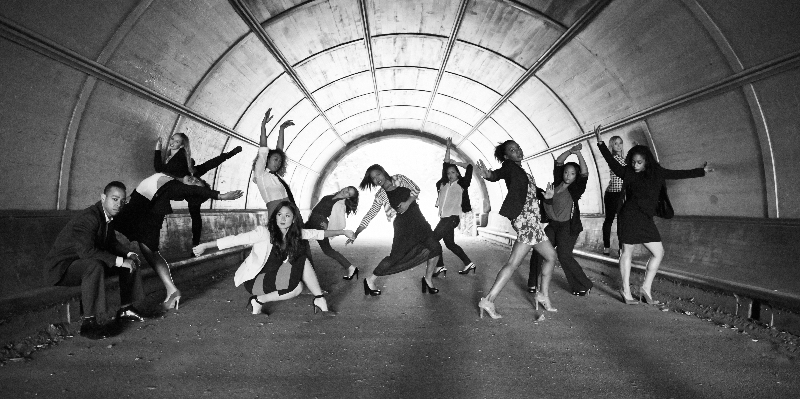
(262, 246)
(86, 236)
(517, 185)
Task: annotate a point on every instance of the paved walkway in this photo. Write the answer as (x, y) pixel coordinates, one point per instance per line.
(405, 344)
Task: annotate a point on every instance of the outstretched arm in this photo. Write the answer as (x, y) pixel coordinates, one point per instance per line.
(283, 127)
(267, 117)
(674, 174)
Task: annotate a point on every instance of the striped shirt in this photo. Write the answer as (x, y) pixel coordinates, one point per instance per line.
(381, 199)
(615, 184)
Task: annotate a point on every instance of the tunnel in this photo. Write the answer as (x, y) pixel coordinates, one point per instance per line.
(89, 86)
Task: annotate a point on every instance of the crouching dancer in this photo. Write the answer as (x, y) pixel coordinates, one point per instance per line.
(85, 252)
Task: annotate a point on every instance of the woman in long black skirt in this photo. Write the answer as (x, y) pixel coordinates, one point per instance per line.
(413, 241)
(642, 180)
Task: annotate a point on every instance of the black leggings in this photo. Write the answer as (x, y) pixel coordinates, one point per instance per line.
(611, 202)
(325, 245)
(445, 230)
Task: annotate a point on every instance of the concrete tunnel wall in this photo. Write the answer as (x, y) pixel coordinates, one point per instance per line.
(697, 80)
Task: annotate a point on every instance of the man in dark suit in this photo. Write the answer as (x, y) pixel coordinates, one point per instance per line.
(87, 250)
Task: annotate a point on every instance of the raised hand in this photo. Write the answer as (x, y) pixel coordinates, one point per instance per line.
(286, 124)
(597, 133)
(576, 148)
(231, 195)
(550, 191)
(707, 168)
(267, 117)
(482, 170)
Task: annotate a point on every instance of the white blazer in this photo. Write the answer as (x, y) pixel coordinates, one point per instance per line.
(262, 246)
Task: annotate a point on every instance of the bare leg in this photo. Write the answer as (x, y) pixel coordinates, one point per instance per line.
(160, 266)
(429, 269)
(657, 254)
(518, 252)
(310, 278)
(548, 254)
(625, 269)
(274, 297)
(371, 281)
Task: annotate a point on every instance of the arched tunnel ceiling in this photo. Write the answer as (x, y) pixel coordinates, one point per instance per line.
(694, 79)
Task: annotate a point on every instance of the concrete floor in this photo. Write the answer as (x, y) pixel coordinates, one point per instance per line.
(406, 344)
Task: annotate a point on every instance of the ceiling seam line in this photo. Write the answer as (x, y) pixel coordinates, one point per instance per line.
(562, 41)
(250, 20)
(451, 42)
(368, 44)
(737, 80)
(63, 55)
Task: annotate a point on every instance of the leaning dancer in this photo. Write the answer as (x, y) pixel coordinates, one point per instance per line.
(176, 161)
(330, 213)
(270, 166)
(413, 240)
(453, 200)
(141, 219)
(643, 179)
(521, 207)
(277, 265)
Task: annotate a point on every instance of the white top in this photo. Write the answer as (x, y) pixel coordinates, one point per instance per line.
(449, 201)
(268, 184)
(337, 219)
(260, 239)
(149, 186)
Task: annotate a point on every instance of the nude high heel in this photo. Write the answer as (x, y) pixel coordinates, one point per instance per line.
(173, 301)
(485, 306)
(545, 301)
(645, 297)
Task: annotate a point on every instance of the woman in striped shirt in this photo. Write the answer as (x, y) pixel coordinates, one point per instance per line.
(413, 241)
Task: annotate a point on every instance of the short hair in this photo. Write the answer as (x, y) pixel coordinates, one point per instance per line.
(367, 181)
(500, 150)
(114, 184)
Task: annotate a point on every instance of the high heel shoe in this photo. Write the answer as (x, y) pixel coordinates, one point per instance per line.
(645, 297)
(532, 289)
(257, 306)
(173, 301)
(582, 292)
(625, 299)
(440, 270)
(467, 269)
(485, 306)
(327, 313)
(545, 301)
(370, 291)
(350, 277)
(429, 289)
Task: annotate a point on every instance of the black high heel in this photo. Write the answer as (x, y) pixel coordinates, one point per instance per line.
(370, 291)
(427, 288)
(467, 269)
(440, 270)
(328, 313)
(350, 277)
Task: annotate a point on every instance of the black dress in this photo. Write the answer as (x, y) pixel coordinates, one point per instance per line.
(413, 241)
(277, 275)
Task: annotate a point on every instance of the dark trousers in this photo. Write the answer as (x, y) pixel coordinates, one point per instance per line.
(611, 202)
(559, 235)
(195, 203)
(325, 245)
(90, 275)
(445, 230)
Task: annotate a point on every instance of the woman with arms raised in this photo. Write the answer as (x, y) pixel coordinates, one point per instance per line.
(453, 200)
(278, 264)
(413, 241)
(561, 207)
(521, 207)
(643, 179)
(269, 167)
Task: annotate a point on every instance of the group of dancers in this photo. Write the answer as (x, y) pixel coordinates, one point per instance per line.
(280, 263)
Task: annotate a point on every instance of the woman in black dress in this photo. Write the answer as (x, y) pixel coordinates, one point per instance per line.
(278, 264)
(642, 180)
(330, 212)
(413, 241)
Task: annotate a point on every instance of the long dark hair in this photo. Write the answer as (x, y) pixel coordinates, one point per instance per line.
(351, 204)
(366, 182)
(290, 246)
(444, 180)
(650, 163)
(500, 150)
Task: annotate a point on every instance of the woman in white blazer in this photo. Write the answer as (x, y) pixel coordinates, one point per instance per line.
(278, 263)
